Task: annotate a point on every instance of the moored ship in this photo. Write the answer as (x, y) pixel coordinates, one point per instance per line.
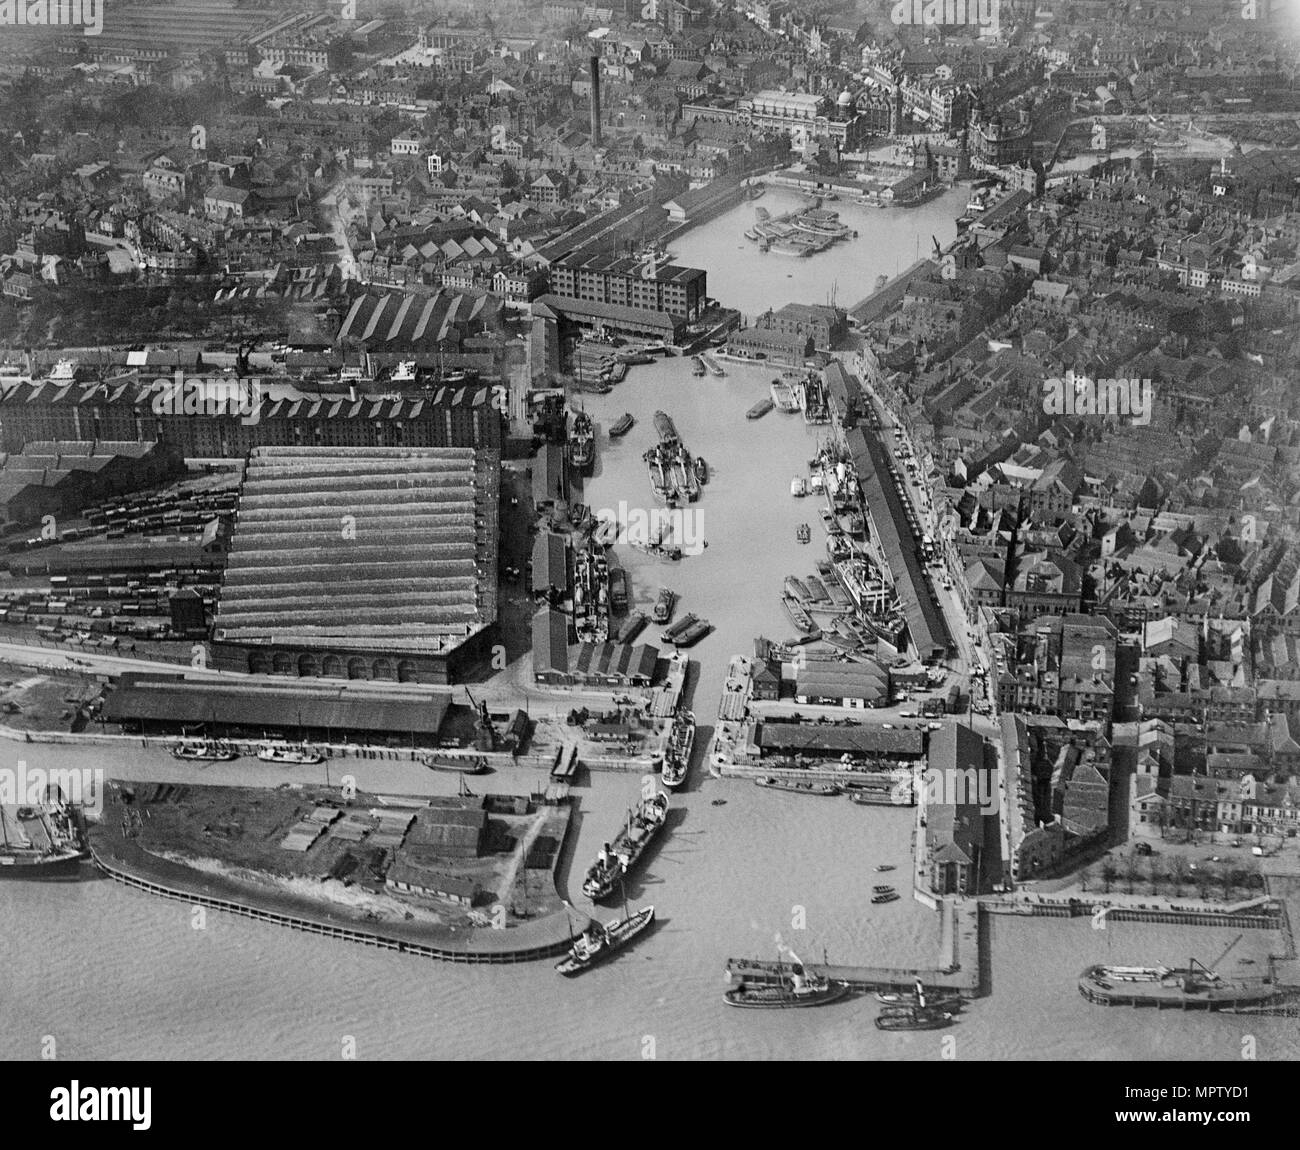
(461, 764)
(1193, 987)
(692, 633)
(204, 751)
(677, 758)
(826, 790)
(281, 753)
(582, 443)
(663, 608)
(793, 986)
(602, 940)
(798, 616)
(783, 397)
(616, 859)
(41, 841)
(665, 428)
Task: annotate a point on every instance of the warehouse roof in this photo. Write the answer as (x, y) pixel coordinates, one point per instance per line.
(833, 739)
(192, 702)
(363, 547)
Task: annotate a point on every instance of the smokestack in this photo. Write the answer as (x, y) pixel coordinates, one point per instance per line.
(595, 101)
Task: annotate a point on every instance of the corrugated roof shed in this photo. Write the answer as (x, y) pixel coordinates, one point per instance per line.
(230, 705)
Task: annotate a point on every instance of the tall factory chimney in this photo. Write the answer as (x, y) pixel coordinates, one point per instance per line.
(595, 101)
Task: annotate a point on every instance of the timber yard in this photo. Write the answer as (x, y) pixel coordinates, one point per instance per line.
(532, 595)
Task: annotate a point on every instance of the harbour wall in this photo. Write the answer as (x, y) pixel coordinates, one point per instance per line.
(126, 862)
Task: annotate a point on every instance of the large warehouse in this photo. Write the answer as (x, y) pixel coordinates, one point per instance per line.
(361, 563)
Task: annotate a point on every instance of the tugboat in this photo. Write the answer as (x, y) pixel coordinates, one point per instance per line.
(915, 1018)
(617, 859)
(598, 942)
(677, 760)
(797, 988)
(298, 756)
(204, 751)
(663, 609)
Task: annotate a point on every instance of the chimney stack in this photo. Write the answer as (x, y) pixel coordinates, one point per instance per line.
(595, 101)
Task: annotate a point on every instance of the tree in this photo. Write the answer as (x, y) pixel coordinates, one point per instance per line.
(1178, 869)
(1108, 873)
(1131, 872)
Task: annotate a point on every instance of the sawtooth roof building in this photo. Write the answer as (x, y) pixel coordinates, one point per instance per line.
(361, 563)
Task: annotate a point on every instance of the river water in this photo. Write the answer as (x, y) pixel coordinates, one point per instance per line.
(112, 973)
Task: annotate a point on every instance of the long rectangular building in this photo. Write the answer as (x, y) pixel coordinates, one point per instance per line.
(224, 418)
(925, 622)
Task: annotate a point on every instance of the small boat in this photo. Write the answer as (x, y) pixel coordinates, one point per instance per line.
(635, 624)
(760, 409)
(663, 608)
(803, 533)
(697, 366)
(599, 941)
(873, 797)
(798, 616)
(622, 425)
(940, 1000)
(211, 752)
(799, 990)
(278, 753)
(826, 790)
(916, 1020)
(718, 803)
(701, 469)
(881, 889)
(886, 866)
(879, 899)
(465, 765)
(783, 397)
(692, 634)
